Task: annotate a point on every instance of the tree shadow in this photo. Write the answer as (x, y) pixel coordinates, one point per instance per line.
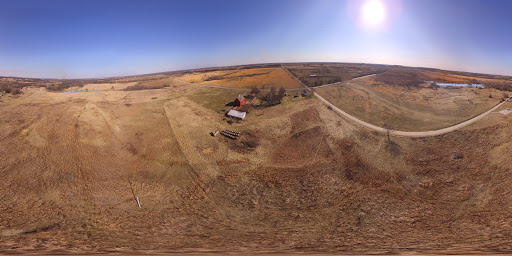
(393, 148)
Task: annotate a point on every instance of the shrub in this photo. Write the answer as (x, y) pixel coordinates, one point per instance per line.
(65, 84)
(15, 91)
(255, 91)
(12, 88)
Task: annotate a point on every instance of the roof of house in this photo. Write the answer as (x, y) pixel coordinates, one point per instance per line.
(237, 114)
(240, 98)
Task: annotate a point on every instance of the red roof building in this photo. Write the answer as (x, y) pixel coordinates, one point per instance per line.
(240, 100)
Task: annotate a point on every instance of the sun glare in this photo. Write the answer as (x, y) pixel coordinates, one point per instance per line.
(373, 12)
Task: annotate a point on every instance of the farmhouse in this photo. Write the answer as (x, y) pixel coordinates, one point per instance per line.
(240, 100)
(237, 114)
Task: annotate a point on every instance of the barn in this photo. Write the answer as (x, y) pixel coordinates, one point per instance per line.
(240, 100)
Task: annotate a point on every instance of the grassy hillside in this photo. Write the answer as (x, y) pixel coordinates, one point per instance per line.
(300, 178)
(243, 78)
(409, 108)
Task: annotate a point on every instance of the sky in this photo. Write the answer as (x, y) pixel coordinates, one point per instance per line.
(102, 38)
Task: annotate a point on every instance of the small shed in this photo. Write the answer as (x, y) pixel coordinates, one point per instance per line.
(240, 100)
(237, 114)
(305, 93)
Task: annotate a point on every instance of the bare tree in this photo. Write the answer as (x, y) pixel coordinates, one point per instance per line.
(255, 91)
(282, 91)
(392, 147)
(434, 85)
(273, 96)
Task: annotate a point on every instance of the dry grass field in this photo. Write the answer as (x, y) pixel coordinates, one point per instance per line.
(317, 74)
(409, 108)
(244, 78)
(301, 178)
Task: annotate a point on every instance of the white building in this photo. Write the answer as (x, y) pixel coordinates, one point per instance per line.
(237, 114)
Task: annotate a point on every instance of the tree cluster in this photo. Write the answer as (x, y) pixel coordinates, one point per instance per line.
(11, 87)
(500, 86)
(65, 84)
(273, 97)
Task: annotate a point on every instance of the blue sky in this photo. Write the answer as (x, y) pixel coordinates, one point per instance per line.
(78, 39)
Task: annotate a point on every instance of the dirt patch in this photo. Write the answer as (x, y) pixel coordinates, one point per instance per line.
(207, 151)
(506, 111)
(131, 148)
(12, 232)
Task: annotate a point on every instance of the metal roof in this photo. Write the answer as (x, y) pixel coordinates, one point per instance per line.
(240, 98)
(237, 114)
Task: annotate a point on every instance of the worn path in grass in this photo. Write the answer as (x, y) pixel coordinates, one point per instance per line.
(395, 132)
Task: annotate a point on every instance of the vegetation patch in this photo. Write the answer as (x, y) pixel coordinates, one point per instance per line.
(137, 87)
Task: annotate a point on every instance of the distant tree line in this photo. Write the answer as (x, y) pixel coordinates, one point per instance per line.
(12, 87)
(65, 84)
(406, 79)
(145, 87)
(503, 86)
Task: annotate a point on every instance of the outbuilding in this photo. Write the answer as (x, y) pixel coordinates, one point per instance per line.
(237, 114)
(240, 100)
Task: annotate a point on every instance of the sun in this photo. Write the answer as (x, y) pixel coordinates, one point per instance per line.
(373, 12)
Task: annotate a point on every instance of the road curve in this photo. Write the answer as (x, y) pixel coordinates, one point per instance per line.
(395, 132)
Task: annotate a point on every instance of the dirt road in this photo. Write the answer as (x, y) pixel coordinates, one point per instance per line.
(395, 132)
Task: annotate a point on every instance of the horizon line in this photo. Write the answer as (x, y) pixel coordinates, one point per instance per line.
(251, 64)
